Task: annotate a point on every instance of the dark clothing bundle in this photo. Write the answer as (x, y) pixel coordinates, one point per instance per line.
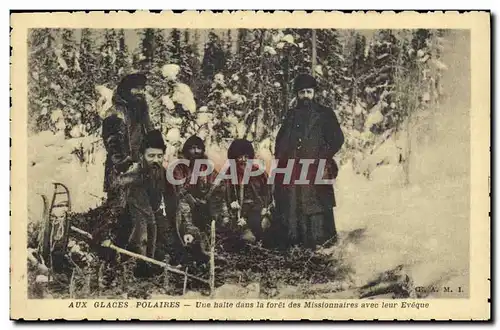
(305, 211)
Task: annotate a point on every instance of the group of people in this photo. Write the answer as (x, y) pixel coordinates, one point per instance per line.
(159, 219)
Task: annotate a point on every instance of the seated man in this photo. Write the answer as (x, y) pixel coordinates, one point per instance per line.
(248, 201)
(200, 200)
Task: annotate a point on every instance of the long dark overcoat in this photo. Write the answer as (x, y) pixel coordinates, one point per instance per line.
(317, 135)
(123, 134)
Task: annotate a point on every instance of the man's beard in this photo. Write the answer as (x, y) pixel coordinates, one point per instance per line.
(241, 166)
(155, 177)
(305, 102)
(197, 156)
(139, 106)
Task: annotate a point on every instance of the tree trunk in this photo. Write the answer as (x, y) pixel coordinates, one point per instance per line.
(313, 53)
(259, 129)
(286, 78)
(408, 150)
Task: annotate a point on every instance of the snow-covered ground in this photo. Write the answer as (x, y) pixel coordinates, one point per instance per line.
(50, 160)
(424, 226)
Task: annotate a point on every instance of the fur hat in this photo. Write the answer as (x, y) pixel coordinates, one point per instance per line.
(154, 139)
(240, 147)
(303, 81)
(130, 81)
(193, 140)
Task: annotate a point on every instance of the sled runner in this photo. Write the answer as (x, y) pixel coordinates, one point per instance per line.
(56, 222)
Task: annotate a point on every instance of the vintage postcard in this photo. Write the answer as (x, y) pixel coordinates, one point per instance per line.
(250, 166)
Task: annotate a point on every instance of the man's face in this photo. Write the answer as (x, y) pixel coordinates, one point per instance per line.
(153, 156)
(195, 151)
(138, 93)
(241, 161)
(306, 93)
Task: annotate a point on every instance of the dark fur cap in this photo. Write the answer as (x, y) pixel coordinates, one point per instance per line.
(154, 139)
(193, 140)
(135, 80)
(240, 147)
(304, 80)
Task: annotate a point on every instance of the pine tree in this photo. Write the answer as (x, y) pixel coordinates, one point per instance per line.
(153, 54)
(301, 53)
(357, 67)
(252, 82)
(88, 81)
(144, 60)
(43, 70)
(71, 106)
(107, 60)
(229, 49)
(295, 49)
(154, 51)
(185, 55)
(161, 53)
(123, 60)
(214, 60)
(60, 84)
(384, 59)
(70, 54)
(331, 68)
(175, 48)
(190, 63)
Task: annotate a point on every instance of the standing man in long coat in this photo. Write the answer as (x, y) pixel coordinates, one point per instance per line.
(124, 132)
(309, 131)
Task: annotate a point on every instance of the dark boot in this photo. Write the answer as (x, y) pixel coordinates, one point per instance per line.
(151, 244)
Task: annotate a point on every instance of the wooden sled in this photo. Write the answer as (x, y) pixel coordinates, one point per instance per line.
(55, 225)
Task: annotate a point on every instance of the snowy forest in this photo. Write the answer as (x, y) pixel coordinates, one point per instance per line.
(399, 95)
(235, 83)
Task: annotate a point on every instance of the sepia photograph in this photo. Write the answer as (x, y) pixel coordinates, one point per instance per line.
(263, 164)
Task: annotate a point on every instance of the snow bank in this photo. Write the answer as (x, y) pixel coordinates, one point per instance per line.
(289, 39)
(374, 118)
(265, 151)
(167, 102)
(184, 96)
(173, 136)
(50, 160)
(424, 226)
(204, 118)
(270, 50)
(219, 78)
(170, 71)
(217, 154)
(318, 69)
